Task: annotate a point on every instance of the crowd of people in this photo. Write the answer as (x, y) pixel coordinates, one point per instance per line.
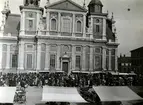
(71, 80)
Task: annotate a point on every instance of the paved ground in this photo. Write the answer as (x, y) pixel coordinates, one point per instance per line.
(33, 96)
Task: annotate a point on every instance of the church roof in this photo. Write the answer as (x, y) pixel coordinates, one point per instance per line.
(67, 5)
(95, 2)
(12, 24)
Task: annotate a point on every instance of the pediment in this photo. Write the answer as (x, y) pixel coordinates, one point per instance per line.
(67, 5)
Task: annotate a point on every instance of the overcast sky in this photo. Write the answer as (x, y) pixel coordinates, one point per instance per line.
(129, 23)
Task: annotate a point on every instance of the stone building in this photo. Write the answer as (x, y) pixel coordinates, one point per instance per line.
(124, 64)
(69, 37)
(137, 60)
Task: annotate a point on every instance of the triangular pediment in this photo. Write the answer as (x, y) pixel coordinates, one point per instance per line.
(67, 5)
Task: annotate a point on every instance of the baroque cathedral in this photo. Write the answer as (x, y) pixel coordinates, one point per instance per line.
(68, 38)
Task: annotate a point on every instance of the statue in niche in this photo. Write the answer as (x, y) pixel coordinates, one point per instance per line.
(41, 25)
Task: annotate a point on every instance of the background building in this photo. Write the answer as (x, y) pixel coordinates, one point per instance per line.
(124, 64)
(69, 37)
(137, 60)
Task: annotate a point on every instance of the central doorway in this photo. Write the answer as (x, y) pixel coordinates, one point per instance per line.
(65, 67)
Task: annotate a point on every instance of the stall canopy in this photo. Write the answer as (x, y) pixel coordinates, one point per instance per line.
(116, 93)
(61, 94)
(7, 94)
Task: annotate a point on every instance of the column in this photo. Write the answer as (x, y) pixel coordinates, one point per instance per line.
(21, 56)
(110, 59)
(22, 30)
(38, 56)
(84, 58)
(116, 59)
(0, 56)
(38, 21)
(58, 57)
(91, 59)
(104, 29)
(103, 58)
(59, 24)
(47, 20)
(84, 25)
(8, 57)
(91, 29)
(73, 57)
(47, 61)
(73, 26)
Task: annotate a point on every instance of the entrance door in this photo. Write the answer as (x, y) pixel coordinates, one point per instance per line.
(65, 67)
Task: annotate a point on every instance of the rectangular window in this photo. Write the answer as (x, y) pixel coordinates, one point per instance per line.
(78, 49)
(14, 60)
(97, 62)
(66, 27)
(30, 24)
(52, 60)
(113, 62)
(97, 28)
(78, 61)
(29, 61)
(42, 60)
(113, 51)
(87, 61)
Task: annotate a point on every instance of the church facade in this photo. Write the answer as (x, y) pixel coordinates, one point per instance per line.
(68, 38)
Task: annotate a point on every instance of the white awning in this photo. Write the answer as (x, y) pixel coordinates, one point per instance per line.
(7, 94)
(61, 94)
(116, 93)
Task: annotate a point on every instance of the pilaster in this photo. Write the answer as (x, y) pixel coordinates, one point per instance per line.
(116, 59)
(48, 22)
(84, 25)
(91, 59)
(59, 24)
(38, 56)
(110, 59)
(22, 25)
(73, 57)
(91, 29)
(103, 58)
(104, 29)
(58, 57)
(21, 56)
(47, 62)
(8, 57)
(73, 26)
(84, 58)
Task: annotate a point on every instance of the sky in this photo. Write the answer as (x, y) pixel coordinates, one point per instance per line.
(129, 24)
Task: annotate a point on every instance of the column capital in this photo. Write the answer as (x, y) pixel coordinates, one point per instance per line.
(109, 49)
(59, 44)
(92, 46)
(47, 44)
(73, 45)
(103, 47)
(84, 45)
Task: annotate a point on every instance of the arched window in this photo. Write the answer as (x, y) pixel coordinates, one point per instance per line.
(79, 26)
(53, 24)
